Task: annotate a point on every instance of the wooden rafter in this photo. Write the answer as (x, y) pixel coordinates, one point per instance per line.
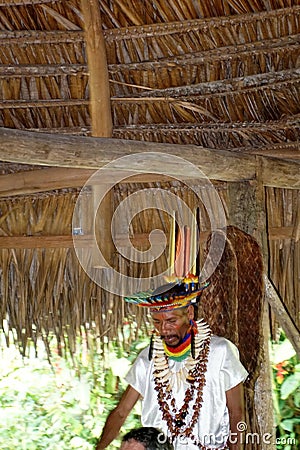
(94, 153)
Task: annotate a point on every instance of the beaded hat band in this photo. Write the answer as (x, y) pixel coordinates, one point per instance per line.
(178, 293)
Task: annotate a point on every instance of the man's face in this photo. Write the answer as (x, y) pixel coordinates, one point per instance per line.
(132, 444)
(173, 325)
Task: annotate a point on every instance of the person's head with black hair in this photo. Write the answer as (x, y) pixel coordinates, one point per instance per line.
(146, 438)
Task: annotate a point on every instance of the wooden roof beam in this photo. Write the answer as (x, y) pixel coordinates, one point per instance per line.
(87, 240)
(42, 180)
(234, 86)
(94, 153)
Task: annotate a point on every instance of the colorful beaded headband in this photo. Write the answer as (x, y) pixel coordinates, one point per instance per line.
(177, 293)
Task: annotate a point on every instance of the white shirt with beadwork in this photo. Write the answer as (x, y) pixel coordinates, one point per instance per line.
(224, 371)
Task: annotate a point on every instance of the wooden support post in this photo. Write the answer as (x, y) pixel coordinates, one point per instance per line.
(100, 108)
(247, 212)
(242, 205)
(263, 387)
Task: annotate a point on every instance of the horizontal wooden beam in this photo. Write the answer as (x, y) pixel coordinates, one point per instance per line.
(50, 179)
(42, 180)
(32, 242)
(94, 153)
(86, 241)
(281, 233)
(234, 86)
(288, 154)
(271, 125)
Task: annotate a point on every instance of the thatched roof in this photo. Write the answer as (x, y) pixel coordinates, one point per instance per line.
(218, 74)
(216, 82)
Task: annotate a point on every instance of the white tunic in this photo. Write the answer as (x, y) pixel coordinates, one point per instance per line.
(224, 371)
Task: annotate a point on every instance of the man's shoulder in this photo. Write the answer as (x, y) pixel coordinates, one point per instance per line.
(144, 354)
(220, 342)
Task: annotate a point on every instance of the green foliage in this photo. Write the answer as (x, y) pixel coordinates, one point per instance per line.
(286, 389)
(57, 407)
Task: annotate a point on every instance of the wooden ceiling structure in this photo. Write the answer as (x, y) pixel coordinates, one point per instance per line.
(86, 82)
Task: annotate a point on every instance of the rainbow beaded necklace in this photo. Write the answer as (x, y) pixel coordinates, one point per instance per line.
(180, 352)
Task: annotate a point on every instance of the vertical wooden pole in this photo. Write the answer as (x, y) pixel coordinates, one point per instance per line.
(247, 211)
(101, 118)
(100, 106)
(263, 387)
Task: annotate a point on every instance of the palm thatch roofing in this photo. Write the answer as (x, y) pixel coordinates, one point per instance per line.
(85, 82)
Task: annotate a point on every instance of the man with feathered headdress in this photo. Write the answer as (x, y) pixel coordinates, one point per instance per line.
(190, 381)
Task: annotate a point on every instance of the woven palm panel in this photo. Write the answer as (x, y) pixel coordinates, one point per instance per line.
(250, 294)
(218, 303)
(229, 136)
(232, 305)
(268, 97)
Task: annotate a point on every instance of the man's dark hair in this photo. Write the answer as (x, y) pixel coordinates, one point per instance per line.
(150, 437)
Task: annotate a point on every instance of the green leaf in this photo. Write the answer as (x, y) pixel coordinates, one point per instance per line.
(286, 412)
(288, 425)
(287, 447)
(290, 384)
(297, 398)
(77, 442)
(110, 382)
